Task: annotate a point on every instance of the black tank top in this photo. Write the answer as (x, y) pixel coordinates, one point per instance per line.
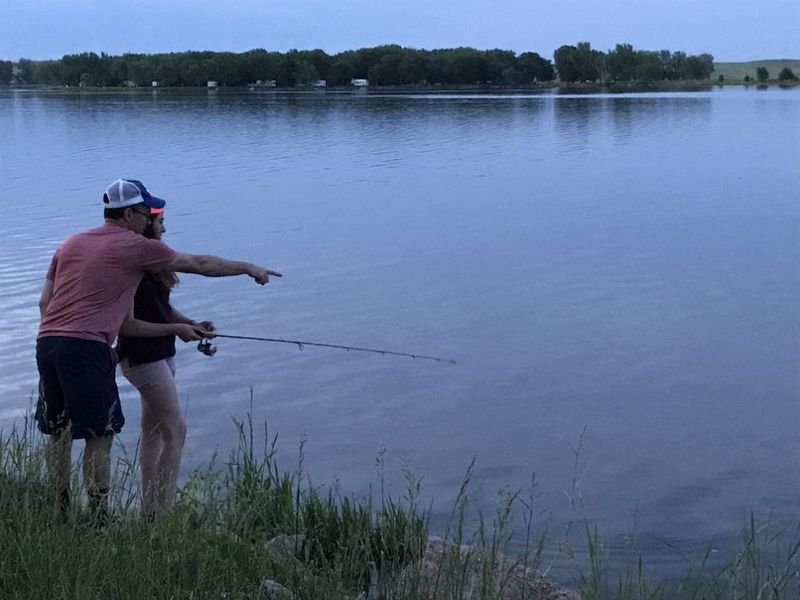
(151, 303)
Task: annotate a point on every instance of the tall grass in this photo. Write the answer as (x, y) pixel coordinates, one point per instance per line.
(213, 542)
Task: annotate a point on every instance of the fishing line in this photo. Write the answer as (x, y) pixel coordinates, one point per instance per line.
(206, 348)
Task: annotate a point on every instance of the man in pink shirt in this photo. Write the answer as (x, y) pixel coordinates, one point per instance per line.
(86, 301)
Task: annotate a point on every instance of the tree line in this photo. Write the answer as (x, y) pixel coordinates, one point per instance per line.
(762, 74)
(626, 64)
(389, 65)
(382, 65)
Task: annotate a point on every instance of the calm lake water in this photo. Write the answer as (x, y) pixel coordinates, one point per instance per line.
(617, 277)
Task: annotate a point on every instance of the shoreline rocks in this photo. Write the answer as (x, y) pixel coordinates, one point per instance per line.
(477, 573)
(466, 571)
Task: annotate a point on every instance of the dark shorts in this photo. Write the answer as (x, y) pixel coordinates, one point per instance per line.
(77, 388)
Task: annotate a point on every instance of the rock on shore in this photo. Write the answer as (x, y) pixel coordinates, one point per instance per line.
(444, 570)
(510, 579)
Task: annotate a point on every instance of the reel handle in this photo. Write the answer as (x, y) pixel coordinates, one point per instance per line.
(206, 347)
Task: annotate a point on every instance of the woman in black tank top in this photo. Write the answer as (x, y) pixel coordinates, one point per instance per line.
(148, 363)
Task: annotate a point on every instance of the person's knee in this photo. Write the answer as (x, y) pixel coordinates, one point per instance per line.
(97, 461)
(99, 445)
(175, 431)
(170, 429)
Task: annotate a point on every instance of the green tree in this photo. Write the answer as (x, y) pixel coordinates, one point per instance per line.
(648, 66)
(258, 65)
(341, 72)
(80, 68)
(48, 72)
(513, 76)
(762, 74)
(209, 70)
(497, 62)
(228, 69)
(786, 74)
(6, 71)
(465, 66)
(141, 70)
(665, 63)
(168, 74)
(564, 58)
(283, 67)
(27, 70)
(387, 71)
(304, 73)
(579, 63)
(411, 68)
(321, 61)
(116, 70)
(698, 67)
(436, 67)
(343, 65)
(196, 75)
(534, 67)
(676, 65)
(590, 61)
(621, 63)
(366, 58)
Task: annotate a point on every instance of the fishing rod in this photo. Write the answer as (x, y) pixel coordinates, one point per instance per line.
(209, 350)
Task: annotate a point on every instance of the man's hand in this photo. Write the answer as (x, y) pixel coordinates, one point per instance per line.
(262, 274)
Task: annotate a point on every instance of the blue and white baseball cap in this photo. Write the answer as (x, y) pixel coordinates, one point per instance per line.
(127, 192)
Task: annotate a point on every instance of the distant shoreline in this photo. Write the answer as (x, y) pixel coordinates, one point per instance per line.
(393, 68)
(548, 86)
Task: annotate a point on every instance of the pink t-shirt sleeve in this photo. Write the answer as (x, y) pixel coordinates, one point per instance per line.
(149, 255)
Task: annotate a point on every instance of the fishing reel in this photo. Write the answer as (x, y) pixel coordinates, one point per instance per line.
(206, 347)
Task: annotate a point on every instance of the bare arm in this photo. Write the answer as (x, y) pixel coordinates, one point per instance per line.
(132, 327)
(214, 266)
(179, 317)
(47, 295)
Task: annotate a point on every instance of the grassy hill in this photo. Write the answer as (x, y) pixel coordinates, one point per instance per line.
(736, 71)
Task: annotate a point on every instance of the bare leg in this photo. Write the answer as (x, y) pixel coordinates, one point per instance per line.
(149, 453)
(58, 461)
(163, 432)
(163, 435)
(97, 473)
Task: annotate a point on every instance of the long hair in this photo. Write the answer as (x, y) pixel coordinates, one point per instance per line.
(168, 279)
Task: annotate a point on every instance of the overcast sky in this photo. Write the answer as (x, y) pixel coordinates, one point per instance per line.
(731, 30)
